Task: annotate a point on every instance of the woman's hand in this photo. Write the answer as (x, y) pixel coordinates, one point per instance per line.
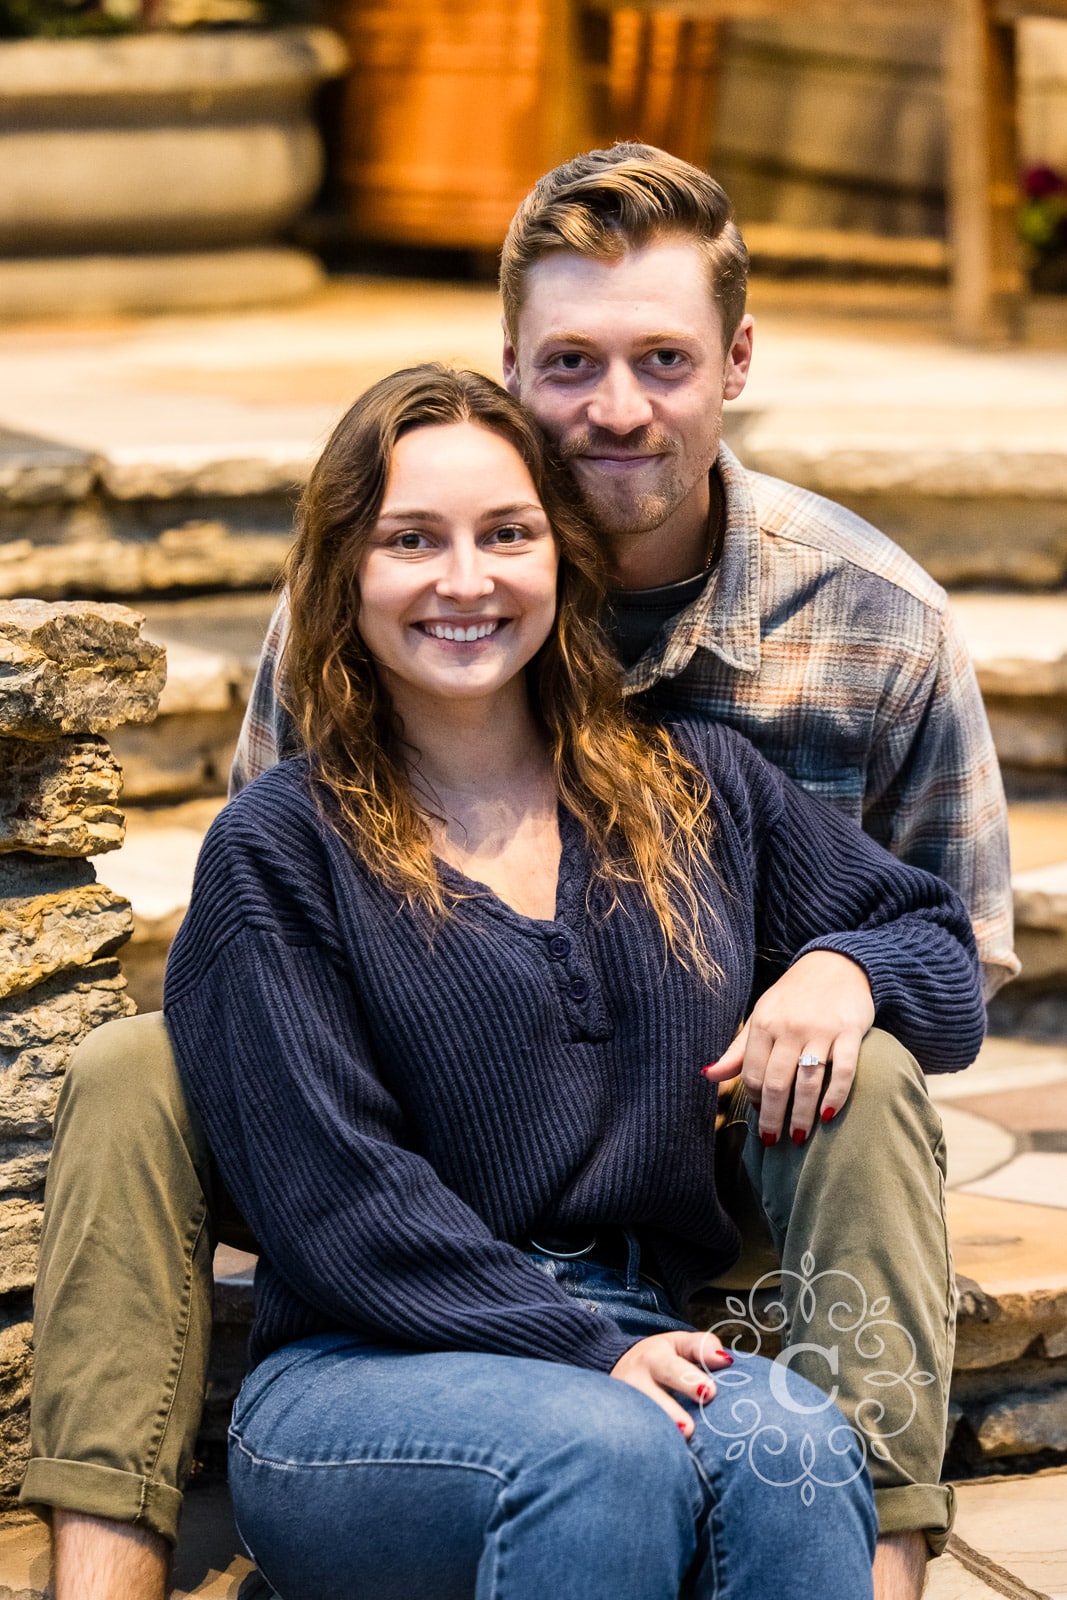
(678, 1361)
(821, 1007)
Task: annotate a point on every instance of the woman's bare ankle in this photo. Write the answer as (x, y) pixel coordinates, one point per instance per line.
(96, 1558)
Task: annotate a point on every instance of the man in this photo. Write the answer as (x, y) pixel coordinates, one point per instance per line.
(738, 598)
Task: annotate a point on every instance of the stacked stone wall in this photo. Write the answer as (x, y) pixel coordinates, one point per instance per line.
(69, 673)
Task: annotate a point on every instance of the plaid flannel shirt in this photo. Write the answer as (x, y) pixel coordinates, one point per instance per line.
(830, 649)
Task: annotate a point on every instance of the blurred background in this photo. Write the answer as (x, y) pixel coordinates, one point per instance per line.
(914, 136)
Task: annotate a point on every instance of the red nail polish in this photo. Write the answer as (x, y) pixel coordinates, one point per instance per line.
(798, 1136)
(769, 1139)
(683, 1427)
(705, 1391)
(725, 1355)
(710, 1067)
(829, 1113)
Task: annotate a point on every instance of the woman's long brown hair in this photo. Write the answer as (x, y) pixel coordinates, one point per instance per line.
(644, 808)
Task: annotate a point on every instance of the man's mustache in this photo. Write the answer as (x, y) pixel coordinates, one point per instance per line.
(591, 442)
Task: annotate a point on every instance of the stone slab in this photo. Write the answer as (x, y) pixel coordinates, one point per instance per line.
(74, 667)
(54, 915)
(179, 758)
(15, 1334)
(59, 797)
(948, 1580)
(36, 471)
(20, 1238)
(1022, 1111)
(1024, 1422)
(1041, 923)
(976, 1146)
(1020, 1523)
(1037, 1177)
(38, 1030)
(1002, 1064)
(195, 555)
(1018, 642)
(202, 280)
(1038, 831)
(1011, 1249)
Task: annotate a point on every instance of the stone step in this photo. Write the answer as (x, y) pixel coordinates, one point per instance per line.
(155, 455)
(1019, 647)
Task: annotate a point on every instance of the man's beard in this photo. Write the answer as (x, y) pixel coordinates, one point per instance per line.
(613, 508)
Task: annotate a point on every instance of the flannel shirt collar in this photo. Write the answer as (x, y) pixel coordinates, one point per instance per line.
(725, 617)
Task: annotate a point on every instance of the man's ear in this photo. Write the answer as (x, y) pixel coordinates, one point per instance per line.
(738, 359)
(510, 363)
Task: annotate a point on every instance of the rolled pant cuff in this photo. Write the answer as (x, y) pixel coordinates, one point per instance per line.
(101, 1492)
(928, 1508)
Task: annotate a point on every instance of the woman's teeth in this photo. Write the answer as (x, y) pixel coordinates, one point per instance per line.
(446, 630)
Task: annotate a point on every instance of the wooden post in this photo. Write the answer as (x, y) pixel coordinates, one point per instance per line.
(658, 80)
(987, 273)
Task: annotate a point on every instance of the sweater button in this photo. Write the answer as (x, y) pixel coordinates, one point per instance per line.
(579, 989)
(559, 948)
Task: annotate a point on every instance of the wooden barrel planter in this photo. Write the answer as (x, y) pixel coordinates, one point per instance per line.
(157, 146)
(452, 109)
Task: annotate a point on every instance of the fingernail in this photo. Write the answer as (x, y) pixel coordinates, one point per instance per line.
(769, 1139)
(724, 1355)
(798, 1136)
(829, 1113)
(705, 1391)
(683, 1427)
(709, 1068)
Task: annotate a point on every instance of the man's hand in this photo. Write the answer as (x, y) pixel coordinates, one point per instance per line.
(678, 1361)
(821, 1008)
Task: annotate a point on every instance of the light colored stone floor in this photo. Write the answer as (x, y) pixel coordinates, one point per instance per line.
(1006, 1202)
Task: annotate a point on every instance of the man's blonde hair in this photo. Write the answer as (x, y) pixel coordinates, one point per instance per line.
(606, 202)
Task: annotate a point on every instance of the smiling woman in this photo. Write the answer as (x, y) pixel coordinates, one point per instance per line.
(437, 505)
(442, 1004)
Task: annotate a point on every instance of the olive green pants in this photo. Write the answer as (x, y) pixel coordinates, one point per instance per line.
(123, 1303)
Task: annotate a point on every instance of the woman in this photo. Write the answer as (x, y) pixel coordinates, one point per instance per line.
(442, 1001)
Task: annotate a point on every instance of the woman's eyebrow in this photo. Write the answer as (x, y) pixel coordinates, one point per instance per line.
(400, 515)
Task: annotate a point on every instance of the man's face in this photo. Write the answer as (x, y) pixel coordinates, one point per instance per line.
(622, 364)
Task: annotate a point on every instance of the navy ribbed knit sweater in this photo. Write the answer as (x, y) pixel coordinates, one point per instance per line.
(395, 1112)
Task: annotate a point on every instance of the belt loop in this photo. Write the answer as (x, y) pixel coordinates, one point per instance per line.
(633, 1259)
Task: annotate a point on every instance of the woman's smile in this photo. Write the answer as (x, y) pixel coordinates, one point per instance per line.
(459, 630)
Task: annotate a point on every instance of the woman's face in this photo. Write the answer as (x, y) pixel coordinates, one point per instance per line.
(458, 580)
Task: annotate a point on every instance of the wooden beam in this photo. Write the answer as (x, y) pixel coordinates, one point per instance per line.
(987, 275)
(780, 241)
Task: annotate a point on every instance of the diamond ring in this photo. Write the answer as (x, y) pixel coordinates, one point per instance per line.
(810, 1059)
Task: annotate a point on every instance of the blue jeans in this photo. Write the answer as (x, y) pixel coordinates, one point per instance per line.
(377, 1473)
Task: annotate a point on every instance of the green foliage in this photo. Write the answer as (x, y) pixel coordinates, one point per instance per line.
(60, 19)
(76, 19)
